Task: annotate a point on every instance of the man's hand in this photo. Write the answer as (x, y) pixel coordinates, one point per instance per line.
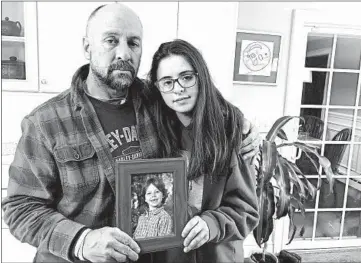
(109, 244)
(196, 233)
(250, 144)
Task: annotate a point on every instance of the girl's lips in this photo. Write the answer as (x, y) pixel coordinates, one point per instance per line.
(182, 98)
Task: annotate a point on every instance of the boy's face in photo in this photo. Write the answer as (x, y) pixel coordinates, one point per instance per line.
(153, 197)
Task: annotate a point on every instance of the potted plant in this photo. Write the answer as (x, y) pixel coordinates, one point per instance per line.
(280, 190)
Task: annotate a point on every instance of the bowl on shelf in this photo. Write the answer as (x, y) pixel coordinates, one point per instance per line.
(10, 28)
(12, 69)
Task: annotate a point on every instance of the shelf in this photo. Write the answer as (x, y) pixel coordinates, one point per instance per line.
(12, 39)
(13, 80)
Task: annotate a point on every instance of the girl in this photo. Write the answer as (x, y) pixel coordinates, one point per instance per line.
(155, 221)
(192, 116)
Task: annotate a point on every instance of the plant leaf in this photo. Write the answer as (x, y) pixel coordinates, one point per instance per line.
(308, 186)
(270, 211)
(292, 225)
(311, 189)
(312, 161)
(326, 165)
(283, 182)
(269, 156)
(281, 134)
(262, 204)
(282, 178)
(294, 177)
(302, 231)
(282, 204)
(267, 207)
(324, 162)
(296, 203)
(279, 123)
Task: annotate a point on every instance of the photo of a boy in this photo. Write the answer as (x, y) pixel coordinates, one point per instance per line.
(155, 221)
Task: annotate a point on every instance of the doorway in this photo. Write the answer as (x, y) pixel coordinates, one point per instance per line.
(327, 58)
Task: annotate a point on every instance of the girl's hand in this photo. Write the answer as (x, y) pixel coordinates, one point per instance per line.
(196, 233)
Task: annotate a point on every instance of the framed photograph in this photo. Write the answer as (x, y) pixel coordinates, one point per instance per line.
(257, 56)
(151, 201)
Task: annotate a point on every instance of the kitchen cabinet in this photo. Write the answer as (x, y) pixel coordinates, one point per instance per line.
(19, 70)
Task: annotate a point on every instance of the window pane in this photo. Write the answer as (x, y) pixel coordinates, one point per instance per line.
(352, 226)
(309, 203)
(315, 88)
(339, 125)
(14, 11)
(334, 199)
(305, 164)
(356, 158)
(354, 193)
(343, 90)
(13, 60)
(312, 127)
(338, 155)
(348, 53)
(328, 225)
(319, 50)
(299, 221)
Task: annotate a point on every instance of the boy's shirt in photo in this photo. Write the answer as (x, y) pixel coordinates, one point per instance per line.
(119, 125)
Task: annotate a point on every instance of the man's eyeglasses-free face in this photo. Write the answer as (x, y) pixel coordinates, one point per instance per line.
(185, 80)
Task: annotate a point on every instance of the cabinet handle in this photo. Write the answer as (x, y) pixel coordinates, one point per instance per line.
(44, 81)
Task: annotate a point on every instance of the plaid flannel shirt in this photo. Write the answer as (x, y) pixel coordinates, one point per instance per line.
(154, 223)
(62, 178)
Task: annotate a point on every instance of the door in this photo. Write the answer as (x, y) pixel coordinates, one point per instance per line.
(324, 82)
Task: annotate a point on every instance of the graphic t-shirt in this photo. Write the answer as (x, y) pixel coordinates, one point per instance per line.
(119, 125)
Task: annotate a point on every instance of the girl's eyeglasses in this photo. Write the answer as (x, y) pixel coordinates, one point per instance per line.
(186, 80)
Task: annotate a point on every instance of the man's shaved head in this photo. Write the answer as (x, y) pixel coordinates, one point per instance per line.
(121, 8)
(92, 16)
(113, 45)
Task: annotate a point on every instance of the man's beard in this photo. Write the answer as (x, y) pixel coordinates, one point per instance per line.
(119, 83)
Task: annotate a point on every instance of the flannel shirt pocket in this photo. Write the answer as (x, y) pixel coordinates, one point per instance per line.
(77, 165)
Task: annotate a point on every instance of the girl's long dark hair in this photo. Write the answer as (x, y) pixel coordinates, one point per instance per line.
(216, 124)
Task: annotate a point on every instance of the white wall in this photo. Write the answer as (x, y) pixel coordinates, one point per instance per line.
(211, 27)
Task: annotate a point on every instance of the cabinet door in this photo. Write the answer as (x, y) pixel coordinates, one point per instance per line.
(62, 26)
(19, 71)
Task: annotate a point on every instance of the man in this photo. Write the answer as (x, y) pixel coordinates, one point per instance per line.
(62, 178)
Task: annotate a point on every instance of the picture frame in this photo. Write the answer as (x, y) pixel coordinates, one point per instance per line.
(135, 214)
(257, 56)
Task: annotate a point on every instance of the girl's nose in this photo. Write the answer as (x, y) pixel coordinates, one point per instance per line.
(178, 88)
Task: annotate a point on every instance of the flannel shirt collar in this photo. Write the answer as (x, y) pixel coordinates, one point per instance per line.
(155, 211)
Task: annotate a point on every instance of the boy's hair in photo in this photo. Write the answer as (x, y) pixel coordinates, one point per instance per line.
(157, 182)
